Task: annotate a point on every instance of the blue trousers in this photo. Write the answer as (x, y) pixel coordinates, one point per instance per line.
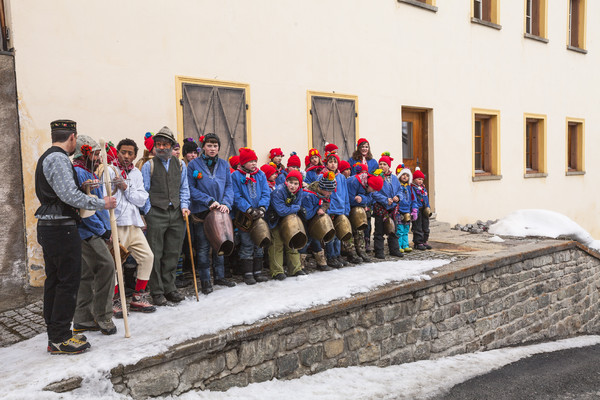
(402, 233)
(333, 248)
(202, 246)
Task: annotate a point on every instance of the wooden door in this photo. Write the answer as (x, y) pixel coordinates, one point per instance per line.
(334, 121)
(414, 140)
(215, 109)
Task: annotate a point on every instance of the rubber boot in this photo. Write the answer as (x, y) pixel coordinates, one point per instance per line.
(322, 261)
(247, 268)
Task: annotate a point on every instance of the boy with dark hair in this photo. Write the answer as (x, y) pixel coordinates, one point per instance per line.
(420, 214)
(275, 157)
(270, 172)
(189, 150)
(293, 164)
(314, 166)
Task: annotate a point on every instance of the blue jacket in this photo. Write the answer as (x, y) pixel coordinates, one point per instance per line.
(390, 189)
(254, 194)
(311, 203)
(99, 223)
(280, 206)
(211, 187)
(372, 164)
(421, 196)
(281, 177)
(312, 175)
(339, 203)
(355, 188)
(407, 198)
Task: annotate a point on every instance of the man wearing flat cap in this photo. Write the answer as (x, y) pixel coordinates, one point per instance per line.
(56, 187)
(165, 180)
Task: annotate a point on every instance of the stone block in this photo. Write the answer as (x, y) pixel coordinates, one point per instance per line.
(297, 338)
(413, 336)
(333, 348)
(344, 323)
(437, 316)
(356, 339)
(428, 333)
(401, 356)
(152, 382)
(286, 365)
(319, 333)
(459, 293)
(221, 385)
(392, 312)
(378, 333)
(426, 302)
(422, 352)
(422, 319)
(368, 318)
(369, 353)
(231, 358)
(263, 372)
(311, 355)
(404, 325)
(445, 298)
(197, 372)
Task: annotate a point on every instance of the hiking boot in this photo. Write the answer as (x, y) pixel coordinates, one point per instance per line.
(334, 262)
(117, 307)
(140, 302)
(73, 345)
(280, 276)
(380, 255)
(397, 253)
(175, 296)
(257, 266)
(107, 327)
(85, 327)
(354, 258)
(407, 249)
(259, 277)
(159, 299)
(365, 257)
(249, 278)
(300, 272)
(206, 287)
(342, 261)
(420, 246)
(427, 246)
(324, 268)
(224, 282)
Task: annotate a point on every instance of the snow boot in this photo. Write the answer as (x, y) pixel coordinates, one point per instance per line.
(257, 270)
(321, 261)
(247, 271)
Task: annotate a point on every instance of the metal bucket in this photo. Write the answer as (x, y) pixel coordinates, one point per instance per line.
(292, 232)
(343, 228)
(388, 226)
(260, 233)
(321, 228)
(358, 218)
(219, 231)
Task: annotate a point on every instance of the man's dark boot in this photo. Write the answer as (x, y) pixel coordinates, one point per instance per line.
(247, 268)
(206, 287)
(257, 270)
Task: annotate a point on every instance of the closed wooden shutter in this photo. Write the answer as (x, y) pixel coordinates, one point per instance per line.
(215, 109)
(334, 121)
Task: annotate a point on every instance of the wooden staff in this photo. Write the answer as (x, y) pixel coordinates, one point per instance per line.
(115, 239)
(187, 225)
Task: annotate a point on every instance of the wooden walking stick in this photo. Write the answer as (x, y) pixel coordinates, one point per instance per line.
(115, 239)
(187, 225)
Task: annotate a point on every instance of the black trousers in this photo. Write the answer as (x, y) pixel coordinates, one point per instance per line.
(62, 256)
(420, 228)
(392, 238)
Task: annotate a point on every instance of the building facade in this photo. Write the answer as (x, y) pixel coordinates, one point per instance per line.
(495, 100)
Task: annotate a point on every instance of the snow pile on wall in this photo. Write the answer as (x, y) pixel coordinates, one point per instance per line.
(542, 223)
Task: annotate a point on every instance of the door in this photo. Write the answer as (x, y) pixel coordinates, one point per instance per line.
(334, 121)
(414, 140)
(215, 109)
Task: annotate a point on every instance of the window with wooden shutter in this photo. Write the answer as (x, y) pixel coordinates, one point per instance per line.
(333, 119)
(575, 146)
(214, 107)
(576, 20)
(486, 12)
(536, 16)
(3, 28)
(535, 145)
(486, 142)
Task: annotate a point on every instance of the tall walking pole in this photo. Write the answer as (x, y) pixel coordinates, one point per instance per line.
(187, 225)
(115, 239)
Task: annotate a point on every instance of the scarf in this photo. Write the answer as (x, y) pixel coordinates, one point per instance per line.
(124, 170)
(79, 163)
(248, 174)
(210, 161)
(271, 184)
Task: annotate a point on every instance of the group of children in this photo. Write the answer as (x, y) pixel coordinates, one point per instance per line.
(328, 186)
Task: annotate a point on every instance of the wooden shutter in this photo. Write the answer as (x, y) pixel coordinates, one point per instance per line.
(334, 121)
(215, 109)
(3, 39)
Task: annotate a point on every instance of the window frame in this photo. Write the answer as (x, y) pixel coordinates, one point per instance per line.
(424, 4)
(481, 10)
(490, 145)
(579, 123)
(535, 160)
(580, 44)
(538, 8)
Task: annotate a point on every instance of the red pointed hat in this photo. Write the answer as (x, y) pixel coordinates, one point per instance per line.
(329, 147)
(268, 169)
(385, 157)
(294, 160)
(376, 182)
(247, 155)
(234, 161)
(343, 165)
(149, 141)
(361, 141)
(275, 152)
(294, 174)
(418, 174)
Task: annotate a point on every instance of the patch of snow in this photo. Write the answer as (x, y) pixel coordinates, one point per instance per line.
(522, 223)
(496, 239)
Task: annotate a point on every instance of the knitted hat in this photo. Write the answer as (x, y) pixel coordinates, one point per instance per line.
(328, 182)
(176, 146)
(361, 141)
(329, 147)
(165, 133)
(269, 170)
(307, 161)
(360, 167)
(418, 174)
(275, 152)
(84, 146)
(376, 182)
(63, 125)
(313, 152)
(295, 174)
(246, 155)
(149, 141)
(189, 146)
(343, 165)
(332, 155)
(294, 160)
(401, 170)
(385, 157)
(234, 161)
(204, 138)
(111, 152)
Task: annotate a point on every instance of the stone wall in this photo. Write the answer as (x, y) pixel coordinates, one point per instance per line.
(547, 293)
(13, 269)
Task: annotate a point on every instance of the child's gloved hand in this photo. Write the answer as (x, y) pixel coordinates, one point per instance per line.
(414, 214)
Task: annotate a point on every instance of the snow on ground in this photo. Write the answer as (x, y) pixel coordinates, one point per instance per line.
(25, 368)
(546, 223)
(417, 380)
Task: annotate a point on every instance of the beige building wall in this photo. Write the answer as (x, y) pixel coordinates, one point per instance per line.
(111, 66)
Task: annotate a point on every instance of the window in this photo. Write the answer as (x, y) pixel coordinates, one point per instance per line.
(3, 29)
(576, 34)
(424, 4)
(575, 142)
(486, 12)
(486, 144)
(535, 146)
(536, 15)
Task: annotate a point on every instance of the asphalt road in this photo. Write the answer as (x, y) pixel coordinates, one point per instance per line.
(561, 375)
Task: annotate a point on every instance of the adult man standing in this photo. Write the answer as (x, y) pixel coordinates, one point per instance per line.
(165, 180)
(56, 188)
(130, 196)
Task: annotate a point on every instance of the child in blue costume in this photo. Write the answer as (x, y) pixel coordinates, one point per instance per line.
(385, 208)
(316, 201)
(420, 214)
(286, 200)
(314, 166)
(292, 165)
(251, 195)
(405, 206)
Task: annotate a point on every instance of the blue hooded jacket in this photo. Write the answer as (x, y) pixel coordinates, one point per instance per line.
(372, 164)
(421, 196)
(390, 189)
(339, 202)
(99, 223)
(253, 194)
(280, 205)
(355, 188)
(215, 186)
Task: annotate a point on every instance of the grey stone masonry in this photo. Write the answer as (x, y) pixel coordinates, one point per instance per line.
(21, 324)
(546, 291)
